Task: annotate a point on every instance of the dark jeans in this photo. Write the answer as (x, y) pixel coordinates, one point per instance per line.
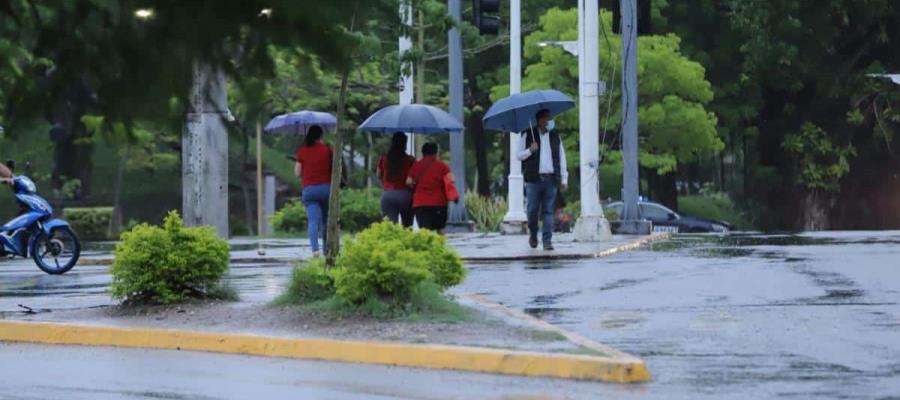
(315, 199)
(431, 218)
(397, 204)
(541, 198)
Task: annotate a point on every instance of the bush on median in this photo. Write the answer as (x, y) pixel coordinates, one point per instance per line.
(169, 264)
(385, 270)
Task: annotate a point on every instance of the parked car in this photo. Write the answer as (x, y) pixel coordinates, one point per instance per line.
(666, 220)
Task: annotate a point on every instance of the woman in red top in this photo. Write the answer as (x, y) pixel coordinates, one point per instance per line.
(313, 167)
(393, 168)
(429, 198)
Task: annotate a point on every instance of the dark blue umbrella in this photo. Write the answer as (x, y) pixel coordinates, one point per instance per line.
(413, 118)
(516, 113)
(298, 123)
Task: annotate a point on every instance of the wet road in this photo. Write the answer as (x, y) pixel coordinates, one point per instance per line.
(83, 373)
(737, 317)
(742, 316)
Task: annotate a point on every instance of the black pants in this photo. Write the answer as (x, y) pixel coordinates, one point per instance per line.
(431, 218)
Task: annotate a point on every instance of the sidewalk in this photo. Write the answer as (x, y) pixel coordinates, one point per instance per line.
(471, 246)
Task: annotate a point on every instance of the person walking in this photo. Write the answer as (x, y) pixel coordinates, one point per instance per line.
(544, 166)
(313, 167)
(429, 177)
(393, 168)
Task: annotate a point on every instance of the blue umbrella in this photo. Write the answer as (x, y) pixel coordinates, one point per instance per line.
(413, 118)
(516, 113)
(298, 123)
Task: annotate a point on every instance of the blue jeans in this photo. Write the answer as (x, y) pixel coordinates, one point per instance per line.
(315, 199)
(541, 198)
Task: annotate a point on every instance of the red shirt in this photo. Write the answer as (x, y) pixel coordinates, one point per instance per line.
(430, 186)
(400, 182)
(316, 163)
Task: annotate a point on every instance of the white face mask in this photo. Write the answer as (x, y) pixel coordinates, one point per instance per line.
(550, 125)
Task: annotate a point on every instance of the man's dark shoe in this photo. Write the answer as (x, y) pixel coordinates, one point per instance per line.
(548, 246)
(532, 241)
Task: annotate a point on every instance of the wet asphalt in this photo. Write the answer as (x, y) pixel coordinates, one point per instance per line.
(738, 316)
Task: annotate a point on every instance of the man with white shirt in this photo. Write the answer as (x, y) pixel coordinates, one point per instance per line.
(544, 166)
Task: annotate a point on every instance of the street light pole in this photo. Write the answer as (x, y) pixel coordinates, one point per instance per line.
(515, 221)
(458, 217)
(591, 225)
(630, 218)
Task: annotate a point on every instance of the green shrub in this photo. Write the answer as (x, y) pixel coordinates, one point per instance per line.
(487, 213)
(168, 264)
(386, 262)
(90, 223)
(574, 209)
(359, 209)
(291, 218)
(309, 283)
(715, 206)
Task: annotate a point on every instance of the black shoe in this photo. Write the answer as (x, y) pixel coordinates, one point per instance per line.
(548, 246)
(532, 241)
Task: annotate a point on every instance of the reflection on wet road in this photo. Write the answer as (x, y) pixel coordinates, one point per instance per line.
(741, 316)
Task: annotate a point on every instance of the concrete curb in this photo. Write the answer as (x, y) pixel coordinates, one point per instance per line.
(460, 358)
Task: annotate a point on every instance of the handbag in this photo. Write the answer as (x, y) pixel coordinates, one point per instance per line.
(450, 189)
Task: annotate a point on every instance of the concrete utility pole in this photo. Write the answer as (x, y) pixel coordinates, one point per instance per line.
(630, 218)
(592, 224)
(457, 213)
(515, 221)
(406, 79)
(205, 151)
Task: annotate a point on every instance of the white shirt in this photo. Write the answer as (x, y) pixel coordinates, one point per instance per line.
(546, 164)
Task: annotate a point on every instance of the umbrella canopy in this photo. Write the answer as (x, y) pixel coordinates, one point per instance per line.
(516, 113)
(298, 123)
(413, 118)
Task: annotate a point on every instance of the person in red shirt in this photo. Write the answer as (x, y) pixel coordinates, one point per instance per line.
(429, 198)
(313, 167)
(393, 168)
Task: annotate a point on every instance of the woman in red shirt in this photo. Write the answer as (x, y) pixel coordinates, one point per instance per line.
(429, 198)
(313, 167)
(393, 168)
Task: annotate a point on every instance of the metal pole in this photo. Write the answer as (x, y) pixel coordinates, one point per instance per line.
(631, 180)
(406, 78)
(515, 220)
(591, 225)
(458, 214)
(260, 224)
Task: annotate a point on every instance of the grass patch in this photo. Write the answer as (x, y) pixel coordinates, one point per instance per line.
(426, 304)
(716, 207)
(548, 336)
(223, 292)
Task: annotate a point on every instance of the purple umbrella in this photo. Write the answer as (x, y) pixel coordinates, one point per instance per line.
(298, 123)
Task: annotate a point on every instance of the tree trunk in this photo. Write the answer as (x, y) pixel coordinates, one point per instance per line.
(476, 130)
(814, 213)
(333, 245)
(369, 160)
(115, 223)
(245, 182)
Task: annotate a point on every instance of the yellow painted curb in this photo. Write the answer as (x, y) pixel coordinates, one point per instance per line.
(405, 355)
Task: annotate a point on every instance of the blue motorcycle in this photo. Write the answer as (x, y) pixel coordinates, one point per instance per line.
(50, 242)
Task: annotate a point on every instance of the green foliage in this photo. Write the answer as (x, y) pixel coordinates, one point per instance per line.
(169, 264)
(674, 125)
(426, 302)
(386, 262)
(714, 205)
(821, 161)
(359, 209)
(291, 218)
(309, 283)
(487, 213)
(574, 209)
(90, 223)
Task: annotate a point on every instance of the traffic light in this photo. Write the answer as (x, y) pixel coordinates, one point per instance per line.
(643, 9)
(486, 18)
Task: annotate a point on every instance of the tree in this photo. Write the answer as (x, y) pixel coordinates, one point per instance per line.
(674, 124)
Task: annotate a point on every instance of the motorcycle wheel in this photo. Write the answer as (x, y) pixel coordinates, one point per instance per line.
(58, 253)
